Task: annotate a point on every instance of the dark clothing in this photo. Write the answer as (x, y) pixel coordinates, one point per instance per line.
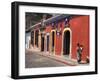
(79, 51)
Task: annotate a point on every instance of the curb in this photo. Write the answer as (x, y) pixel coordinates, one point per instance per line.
(59, 60)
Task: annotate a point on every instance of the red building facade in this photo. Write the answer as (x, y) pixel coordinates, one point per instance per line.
(59, 35)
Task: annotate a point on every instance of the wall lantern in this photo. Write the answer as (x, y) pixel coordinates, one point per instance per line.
(43, 34)
(56, 24)
(66, 22)
(53, 24)
(58, 31)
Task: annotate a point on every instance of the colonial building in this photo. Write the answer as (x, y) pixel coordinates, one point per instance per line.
(60, 34)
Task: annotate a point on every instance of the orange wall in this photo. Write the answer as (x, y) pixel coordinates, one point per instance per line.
(58, 47)
(79, 26)
(80, 33)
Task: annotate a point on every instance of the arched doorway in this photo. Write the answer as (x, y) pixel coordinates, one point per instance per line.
(66, 43)
(52, 41)
(42, 42)
(32, 38)
(47, 42)
(53, 38)
(36, 37)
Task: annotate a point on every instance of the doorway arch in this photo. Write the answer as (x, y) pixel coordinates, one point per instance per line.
(66, 42)
(36, 37)
(42, 42)
(47, 42)
(53, 41)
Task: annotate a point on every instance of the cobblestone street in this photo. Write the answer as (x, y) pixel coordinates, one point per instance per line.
(33, 59)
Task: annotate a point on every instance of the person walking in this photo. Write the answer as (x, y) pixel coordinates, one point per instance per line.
(79, 52)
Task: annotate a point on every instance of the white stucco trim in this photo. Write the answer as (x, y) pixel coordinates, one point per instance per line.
(67, 29)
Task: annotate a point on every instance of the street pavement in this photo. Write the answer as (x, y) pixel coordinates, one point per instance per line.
(33, 60)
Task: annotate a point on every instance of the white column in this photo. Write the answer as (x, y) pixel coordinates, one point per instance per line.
(39, 40)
